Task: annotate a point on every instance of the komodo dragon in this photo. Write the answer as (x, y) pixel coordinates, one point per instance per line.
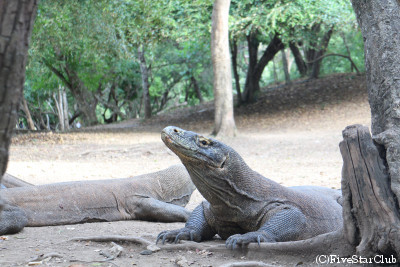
(158, 196)
(243, 206)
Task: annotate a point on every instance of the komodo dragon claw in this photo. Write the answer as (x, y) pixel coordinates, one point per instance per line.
(176, 235)
(245, 239)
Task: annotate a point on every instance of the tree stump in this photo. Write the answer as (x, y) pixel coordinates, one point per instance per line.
(370, 211)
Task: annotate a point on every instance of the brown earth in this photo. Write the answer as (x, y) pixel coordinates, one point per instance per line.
(290, 135)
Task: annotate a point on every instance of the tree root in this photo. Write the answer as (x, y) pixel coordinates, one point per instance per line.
(306, 250)
(47, 255)
(114, 238)
(246, 264)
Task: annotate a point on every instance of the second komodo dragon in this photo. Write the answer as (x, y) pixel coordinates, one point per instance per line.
(243, 206)
(158, 196)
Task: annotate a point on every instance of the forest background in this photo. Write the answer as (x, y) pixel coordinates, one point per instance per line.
(98, 62)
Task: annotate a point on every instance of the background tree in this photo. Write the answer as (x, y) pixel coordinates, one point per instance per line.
(100, 54)
(16, 25)
(224, 123)
(269, 26)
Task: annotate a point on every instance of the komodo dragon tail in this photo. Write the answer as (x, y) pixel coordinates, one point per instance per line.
(158, 196)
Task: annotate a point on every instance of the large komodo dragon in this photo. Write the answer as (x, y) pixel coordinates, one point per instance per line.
(243, 206)
(158, 196)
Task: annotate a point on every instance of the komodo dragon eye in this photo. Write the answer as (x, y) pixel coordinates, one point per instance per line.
(204, 142)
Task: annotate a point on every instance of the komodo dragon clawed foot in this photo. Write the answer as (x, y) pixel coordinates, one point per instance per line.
(13, 220)
(243, 206)
(180, 234)
(247, 238)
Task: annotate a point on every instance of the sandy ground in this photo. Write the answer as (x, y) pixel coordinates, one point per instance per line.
(297, 146)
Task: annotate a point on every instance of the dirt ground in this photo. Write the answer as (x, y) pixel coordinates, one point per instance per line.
(290, 135)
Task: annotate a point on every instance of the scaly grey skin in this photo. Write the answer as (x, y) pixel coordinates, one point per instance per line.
(243, 206)
(159, 196)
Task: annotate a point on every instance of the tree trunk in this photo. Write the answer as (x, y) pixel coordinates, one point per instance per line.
(298, 59)
(370, 211)
(256, 68)
(380, 26)
(84, 98)
(224, 117)
(274, 71)
(16, 21)
(31, 125)
(59, 106)
(65, 108)
(285, 66)
(197, 89)
(145, 82)
(323, 46)
(234, 52)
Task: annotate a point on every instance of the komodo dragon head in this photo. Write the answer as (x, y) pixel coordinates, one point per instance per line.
(214, 167)
(196, 149)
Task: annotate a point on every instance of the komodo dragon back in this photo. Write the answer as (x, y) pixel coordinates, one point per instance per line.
(153, 196)
(242, 205)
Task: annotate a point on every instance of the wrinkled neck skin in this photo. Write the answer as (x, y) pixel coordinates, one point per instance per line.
(220, 186)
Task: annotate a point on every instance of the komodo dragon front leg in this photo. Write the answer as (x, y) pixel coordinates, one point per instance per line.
(287, 223)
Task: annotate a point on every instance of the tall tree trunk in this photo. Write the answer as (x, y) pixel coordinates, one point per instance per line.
(224, 118)
(59, 106)
(65, 108)
(31, 125)
(234, 52)
(197, 89)
(298, 59)
(16, 22)
(380, 26)
(256, 68)
(145, 82)
(251, 86)
(323, 46)
(285, 66)
(84, 98)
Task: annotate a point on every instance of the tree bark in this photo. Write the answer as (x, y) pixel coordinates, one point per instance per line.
(370, 211)
(197, 89)
(58, 102)
(323, 46)
(223, 99)
(298, 59)
(380, 26)
(31, 125)
(65, 108)
(84, 98)
(234, 52)
(285, 66)
(145, 82)
(256, 67)
(16, 22)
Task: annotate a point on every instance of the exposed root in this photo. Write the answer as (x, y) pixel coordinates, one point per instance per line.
(114, 238)
(246, 264)
(47, 255)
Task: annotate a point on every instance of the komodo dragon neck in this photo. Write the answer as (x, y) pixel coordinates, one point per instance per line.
(219, 172)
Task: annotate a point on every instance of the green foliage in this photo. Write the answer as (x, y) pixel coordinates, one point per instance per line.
(98, 40)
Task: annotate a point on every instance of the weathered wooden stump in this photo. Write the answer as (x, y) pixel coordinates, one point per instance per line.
(370, 210)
